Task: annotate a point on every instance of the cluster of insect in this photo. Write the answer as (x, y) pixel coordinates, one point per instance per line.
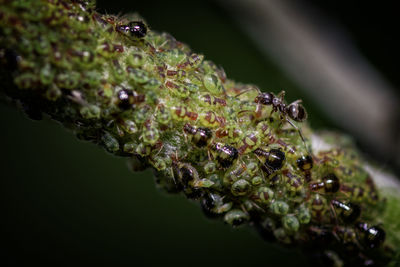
(245, 155)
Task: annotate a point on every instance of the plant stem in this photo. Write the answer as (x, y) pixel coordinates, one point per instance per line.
(248, 157)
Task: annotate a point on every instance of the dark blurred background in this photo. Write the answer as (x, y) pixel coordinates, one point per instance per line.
(67, 202)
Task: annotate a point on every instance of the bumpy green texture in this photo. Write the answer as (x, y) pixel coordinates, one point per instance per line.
(237, 151)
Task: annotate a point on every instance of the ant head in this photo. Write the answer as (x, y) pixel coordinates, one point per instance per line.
(135, 29)
(296, 112)
(264, 98)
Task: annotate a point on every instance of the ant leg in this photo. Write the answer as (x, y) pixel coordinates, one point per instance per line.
(245, 111)
(334, 233)
(334, 213)
(274, 109)
(281, 95)
(162, 146)
(173, 176)
(209, 155)
(301, 135)
(258, 207)
(298, 101)
(244, 209)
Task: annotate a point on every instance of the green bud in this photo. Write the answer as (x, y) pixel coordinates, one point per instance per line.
(290, 223)
(236, 217)
(280, 207)
(212, 84)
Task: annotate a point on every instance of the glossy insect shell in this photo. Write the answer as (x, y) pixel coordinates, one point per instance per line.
(202, 137)
(305, 163)
(331, 183)
(264, 98)
(135, 29)
(226, 154)
(187, 174)
(273, 159)
(296, 112)
(348, 212)
(374, 236)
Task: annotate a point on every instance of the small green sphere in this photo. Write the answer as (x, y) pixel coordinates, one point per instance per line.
(130, 147)
(252, 168)
(138, 75)
(152, 84)
(304, 215)
(212, 84)
(210, 167)
(236, 217)
(150, 136)
(264, 195)
(90, 112)
(280, 207)
(257, 180)
(290, 223)
(129, 126)
(135, 59)
(240, 187)
(110, 142)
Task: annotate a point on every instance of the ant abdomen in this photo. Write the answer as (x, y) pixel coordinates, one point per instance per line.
(372, 237)
(201, 136)
(305, 163)
(272, 160)
(330, 184)
(225, 154)
(296, 112)
(348, 212)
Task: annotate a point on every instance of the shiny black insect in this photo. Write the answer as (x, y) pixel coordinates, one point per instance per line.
(124, 99)
(272, 160)
(200, 136)
(186, 174)
(330, 184)
(305, 163)
(209, 203)
(348, 212)
(374, 236)
(226, 154)
(136, 29)
(295, 110)
(127, 99)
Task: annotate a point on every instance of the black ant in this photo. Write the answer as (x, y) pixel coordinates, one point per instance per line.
(135, 29)
(294, 110)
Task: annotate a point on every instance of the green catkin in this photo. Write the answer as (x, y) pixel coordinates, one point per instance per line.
(144, 95)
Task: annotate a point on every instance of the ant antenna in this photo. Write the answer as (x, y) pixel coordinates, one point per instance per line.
(301, 135)
(248, 90)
